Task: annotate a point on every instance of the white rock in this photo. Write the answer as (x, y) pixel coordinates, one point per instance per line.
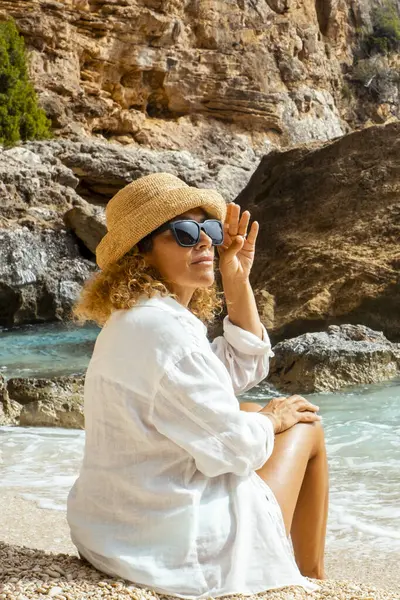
(54, 591)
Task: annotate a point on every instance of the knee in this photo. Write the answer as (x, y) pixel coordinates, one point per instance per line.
(319, 439)
(315, 429)
(314, 434)
(318, 428)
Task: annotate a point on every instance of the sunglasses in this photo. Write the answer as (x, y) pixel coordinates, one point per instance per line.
(187, 232)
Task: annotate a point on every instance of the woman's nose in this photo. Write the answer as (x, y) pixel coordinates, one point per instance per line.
(204, 241)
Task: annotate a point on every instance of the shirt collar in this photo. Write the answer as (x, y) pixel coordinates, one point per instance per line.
(171, 305)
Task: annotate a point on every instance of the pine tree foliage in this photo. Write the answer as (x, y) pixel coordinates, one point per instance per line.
(20, 116)
(385, 35)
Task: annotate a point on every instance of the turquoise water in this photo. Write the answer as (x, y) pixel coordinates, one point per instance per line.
(362, 427)
(46, 350)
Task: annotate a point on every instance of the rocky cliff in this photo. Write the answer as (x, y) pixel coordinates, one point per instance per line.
(329, 250)
(190, 74)
(327, 253)
(204, 90)
(45, 186)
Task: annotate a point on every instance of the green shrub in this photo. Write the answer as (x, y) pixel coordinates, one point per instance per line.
(20, 116)
(385, 35)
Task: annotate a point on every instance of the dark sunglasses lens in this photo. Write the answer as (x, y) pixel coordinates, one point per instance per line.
(187, 233)
(214, 230)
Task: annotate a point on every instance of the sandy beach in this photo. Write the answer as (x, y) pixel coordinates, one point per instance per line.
(22, 523)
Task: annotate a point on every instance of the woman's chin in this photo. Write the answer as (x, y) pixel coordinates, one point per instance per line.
(205, 281)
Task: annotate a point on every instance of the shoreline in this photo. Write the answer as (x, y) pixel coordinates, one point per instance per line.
(22, 523)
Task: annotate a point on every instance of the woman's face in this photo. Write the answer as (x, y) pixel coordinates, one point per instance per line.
(180, 266)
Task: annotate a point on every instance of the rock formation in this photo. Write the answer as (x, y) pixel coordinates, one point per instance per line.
(203, 90)
(329, 251)
(170, 74)
(45, 188)
(9, 409)
(56, 402)
(327, 361)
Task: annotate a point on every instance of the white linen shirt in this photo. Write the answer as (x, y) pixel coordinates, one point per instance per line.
(167, 496)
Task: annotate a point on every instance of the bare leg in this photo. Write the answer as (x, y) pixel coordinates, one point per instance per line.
(297, 473)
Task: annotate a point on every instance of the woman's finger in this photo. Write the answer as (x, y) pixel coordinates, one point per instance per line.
(244, 223)
(233, 222)
(307, 406)
(253, 233)
(296, 397)
(308, 417)
(227, 238)
(228, 215)
(235, 247)
(302, 403)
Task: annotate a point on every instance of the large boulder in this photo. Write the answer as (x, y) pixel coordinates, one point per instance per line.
(56, 402)
(41, 181)
(328, 251)
(340, 357)
(9, 409)
(100, 168)
(88, 222)
(67, 414)
(35, 189)
(41, 275)
(41, 266)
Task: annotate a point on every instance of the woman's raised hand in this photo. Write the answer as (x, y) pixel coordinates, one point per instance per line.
(236, 255)
(286, 412)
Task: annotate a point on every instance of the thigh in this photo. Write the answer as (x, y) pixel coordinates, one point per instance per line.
(284, 470)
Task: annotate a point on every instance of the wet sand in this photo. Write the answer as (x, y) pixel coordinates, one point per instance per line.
(22, 523)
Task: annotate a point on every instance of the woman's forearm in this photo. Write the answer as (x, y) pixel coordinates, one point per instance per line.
(242, 307)
(250, 406)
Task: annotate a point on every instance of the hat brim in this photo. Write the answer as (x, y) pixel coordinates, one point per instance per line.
(151, 215)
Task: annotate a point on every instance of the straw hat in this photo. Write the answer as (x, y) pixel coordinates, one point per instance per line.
(144, 205)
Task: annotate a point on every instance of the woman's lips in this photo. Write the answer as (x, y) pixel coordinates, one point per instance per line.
(204, 261)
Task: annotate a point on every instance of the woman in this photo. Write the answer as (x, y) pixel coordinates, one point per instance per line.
(182, 489)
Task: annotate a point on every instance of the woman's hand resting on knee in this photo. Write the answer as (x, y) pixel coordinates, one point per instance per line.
(286, 412)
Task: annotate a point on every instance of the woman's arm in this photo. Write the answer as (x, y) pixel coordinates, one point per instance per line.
(244, 354)
(250, 407)
(241, 306)
(195, 409)
(236, 257)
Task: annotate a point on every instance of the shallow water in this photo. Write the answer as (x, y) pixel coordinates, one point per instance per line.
(362, 428)
(46, 350)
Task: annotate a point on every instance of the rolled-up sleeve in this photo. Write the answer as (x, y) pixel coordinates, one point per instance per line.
(197, 412)
(244, 354)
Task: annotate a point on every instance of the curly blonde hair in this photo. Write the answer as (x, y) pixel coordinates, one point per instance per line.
(121, 284)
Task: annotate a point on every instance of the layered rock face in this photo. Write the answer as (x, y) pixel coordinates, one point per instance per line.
(227, 80)
(329, 251)
(174, 74)
(41, 266)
